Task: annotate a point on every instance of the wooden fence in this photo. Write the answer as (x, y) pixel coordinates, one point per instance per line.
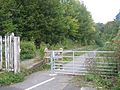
(48, 54)
(10, 53)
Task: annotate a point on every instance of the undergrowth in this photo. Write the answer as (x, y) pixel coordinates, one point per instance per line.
(7, 78)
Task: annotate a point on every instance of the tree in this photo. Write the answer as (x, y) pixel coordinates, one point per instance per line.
(86, 31)
(49, 21)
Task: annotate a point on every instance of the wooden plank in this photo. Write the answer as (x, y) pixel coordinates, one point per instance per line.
(6, 56)
(15, 55)
(1, 61)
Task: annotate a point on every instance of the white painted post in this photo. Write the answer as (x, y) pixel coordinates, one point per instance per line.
(11, 46)
(1, 52)
(52, 64)
(46, 55)
(16, 54)
(10, 61)
(6, 56)
(73, 62)
(8, 53)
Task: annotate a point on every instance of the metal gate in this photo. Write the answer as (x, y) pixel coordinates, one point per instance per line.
(83, 62)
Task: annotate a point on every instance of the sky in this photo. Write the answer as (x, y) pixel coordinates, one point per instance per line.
(102, 10)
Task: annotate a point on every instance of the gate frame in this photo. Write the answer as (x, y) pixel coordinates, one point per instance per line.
(53, 58)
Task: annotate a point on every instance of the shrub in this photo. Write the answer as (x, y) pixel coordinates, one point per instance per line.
(41, 50)
(8, 78)
(56, 46)
(27, 50)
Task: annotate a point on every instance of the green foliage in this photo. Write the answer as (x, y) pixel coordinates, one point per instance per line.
(86, 31)
(117, 86)
(28, 50)
(112, 44)
(106, 32)
(51, 23)
(90, 77)
(65, 44)
(8, 78)
(27, 72)
(41, 50)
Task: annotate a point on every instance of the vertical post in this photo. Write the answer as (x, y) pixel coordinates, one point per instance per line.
(73, 62)
(16, 54)
(18, 44)
(6, 56)
(61, 57)
(10, 60)
(1, 52)
(52, 64)
(11, 45)
(61, 53)
(46, 55)
(8, 52)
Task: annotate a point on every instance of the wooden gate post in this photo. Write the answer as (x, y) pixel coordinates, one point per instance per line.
(16, 54)
(61, 53)
(46, 55)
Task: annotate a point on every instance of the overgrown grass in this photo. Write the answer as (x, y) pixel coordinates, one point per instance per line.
(106, 82)
(101, 83)
(83, 81)
(36, 69)
(7, 78)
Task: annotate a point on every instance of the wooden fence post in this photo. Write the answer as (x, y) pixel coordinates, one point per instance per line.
(11, 50)
(6, 52)
(46, 55)
(16, 54)
(61, 53)
(1, 61)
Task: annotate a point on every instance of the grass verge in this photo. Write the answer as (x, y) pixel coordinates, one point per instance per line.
(8, 78)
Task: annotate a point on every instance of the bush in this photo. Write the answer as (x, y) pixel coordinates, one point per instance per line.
(41, 50)
(66, 44)
(56, 46)
(8, 78)
(28, 50)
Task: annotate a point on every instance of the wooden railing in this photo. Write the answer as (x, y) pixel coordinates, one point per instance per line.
(48, 54)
